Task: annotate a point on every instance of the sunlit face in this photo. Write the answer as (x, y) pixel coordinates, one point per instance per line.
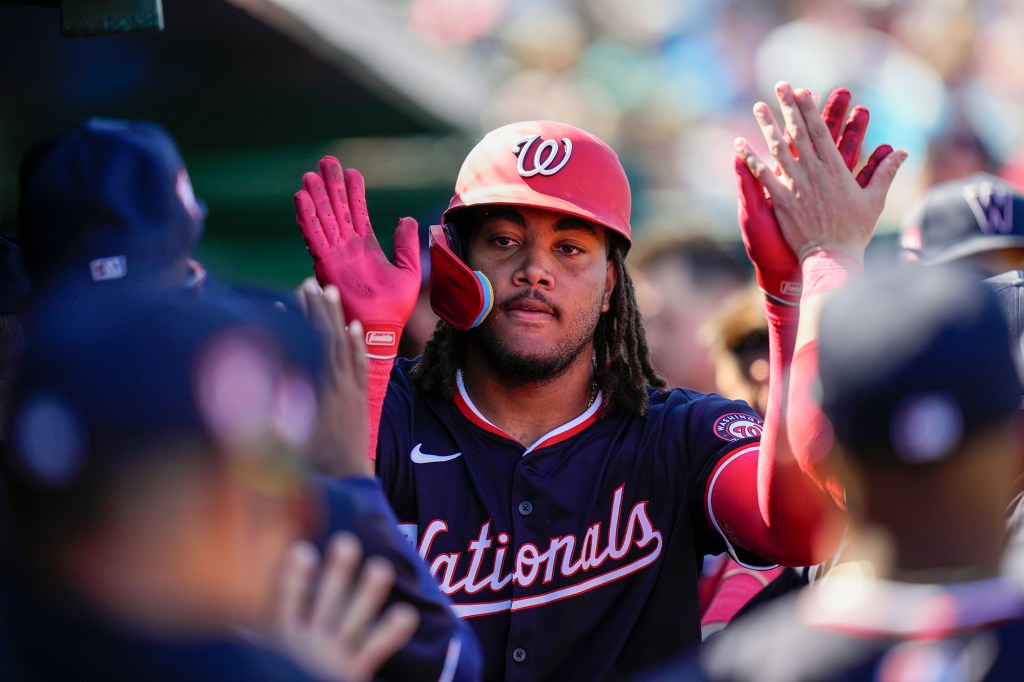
(552, 280)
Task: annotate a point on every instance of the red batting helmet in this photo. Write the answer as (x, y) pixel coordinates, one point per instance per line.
(549, 165)
(541, 164)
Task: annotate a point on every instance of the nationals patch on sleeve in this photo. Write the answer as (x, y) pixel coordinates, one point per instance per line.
(737, 425)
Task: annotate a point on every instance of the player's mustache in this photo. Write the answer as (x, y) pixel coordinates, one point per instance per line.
(529, 294)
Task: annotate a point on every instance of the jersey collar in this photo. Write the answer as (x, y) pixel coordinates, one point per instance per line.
(556, 435)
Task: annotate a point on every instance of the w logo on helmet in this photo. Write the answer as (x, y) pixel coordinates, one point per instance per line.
(545, 157)
(992, 206)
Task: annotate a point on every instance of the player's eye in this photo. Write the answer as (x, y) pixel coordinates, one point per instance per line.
(570, 249)
(503, 240)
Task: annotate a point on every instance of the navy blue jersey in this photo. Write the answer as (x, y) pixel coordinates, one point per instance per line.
(857, 629)
(576, 557)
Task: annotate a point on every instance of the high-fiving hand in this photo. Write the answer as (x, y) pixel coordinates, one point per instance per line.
(342, 434)
(816, 200)
(331, 212)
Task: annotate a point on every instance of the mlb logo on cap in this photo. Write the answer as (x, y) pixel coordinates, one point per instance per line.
(104, 195)
(102, 269)
(962, 218)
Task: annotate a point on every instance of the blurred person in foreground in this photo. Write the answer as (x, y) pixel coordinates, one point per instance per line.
(681, 282)
(978, 222)
(152, 499)
(919, 384)
(107, 208)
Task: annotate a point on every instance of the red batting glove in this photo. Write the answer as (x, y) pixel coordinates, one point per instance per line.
(331, 212)
(775, 264)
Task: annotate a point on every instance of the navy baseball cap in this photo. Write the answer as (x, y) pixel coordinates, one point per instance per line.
(914, 360)
(964, 217)
(108, 200)
(1009, 288)
(147, 371)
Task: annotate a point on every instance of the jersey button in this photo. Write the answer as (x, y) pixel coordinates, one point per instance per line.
(525, 508)
(519, 655)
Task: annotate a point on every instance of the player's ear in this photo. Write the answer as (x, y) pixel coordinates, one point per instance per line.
(610, 279)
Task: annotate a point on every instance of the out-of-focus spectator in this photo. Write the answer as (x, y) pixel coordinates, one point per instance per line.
(680, 282)
(737, 338)
(956, 153)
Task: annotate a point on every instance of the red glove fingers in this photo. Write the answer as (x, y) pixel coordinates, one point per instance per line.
(877, 156)
(853, 136)
(834, 111)
(775, 265)
(332, 215)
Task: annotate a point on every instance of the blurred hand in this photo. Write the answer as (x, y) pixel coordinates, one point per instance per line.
(331, 212)
(342, 438)
(335, 625)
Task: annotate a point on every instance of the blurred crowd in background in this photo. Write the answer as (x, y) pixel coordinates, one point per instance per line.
(256, 89)
(669, 83)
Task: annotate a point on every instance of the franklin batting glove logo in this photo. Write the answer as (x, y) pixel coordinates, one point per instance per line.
(380, 338)
(545, 157)
(736, 425)
(792, 288)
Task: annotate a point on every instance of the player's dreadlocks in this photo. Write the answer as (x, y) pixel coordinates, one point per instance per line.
(623, 364)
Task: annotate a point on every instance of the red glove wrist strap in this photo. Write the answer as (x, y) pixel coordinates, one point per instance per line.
(826, 271)
(381, 340)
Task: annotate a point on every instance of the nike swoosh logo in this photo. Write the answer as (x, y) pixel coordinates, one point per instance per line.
(420, 457)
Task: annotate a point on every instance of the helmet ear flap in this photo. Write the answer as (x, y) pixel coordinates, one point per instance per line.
(459, 295)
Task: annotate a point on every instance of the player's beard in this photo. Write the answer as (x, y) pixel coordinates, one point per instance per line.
(518, 365)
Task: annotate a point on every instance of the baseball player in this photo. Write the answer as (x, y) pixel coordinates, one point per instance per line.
(561, 497)
(915, 383)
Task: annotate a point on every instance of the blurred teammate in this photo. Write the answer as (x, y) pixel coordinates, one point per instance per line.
(561, 497)
(108, 208)
(977, 222)
(915, 382)
(152, 486)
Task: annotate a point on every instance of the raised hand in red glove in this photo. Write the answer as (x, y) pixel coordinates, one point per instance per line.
(331, 212)
(775, 264)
